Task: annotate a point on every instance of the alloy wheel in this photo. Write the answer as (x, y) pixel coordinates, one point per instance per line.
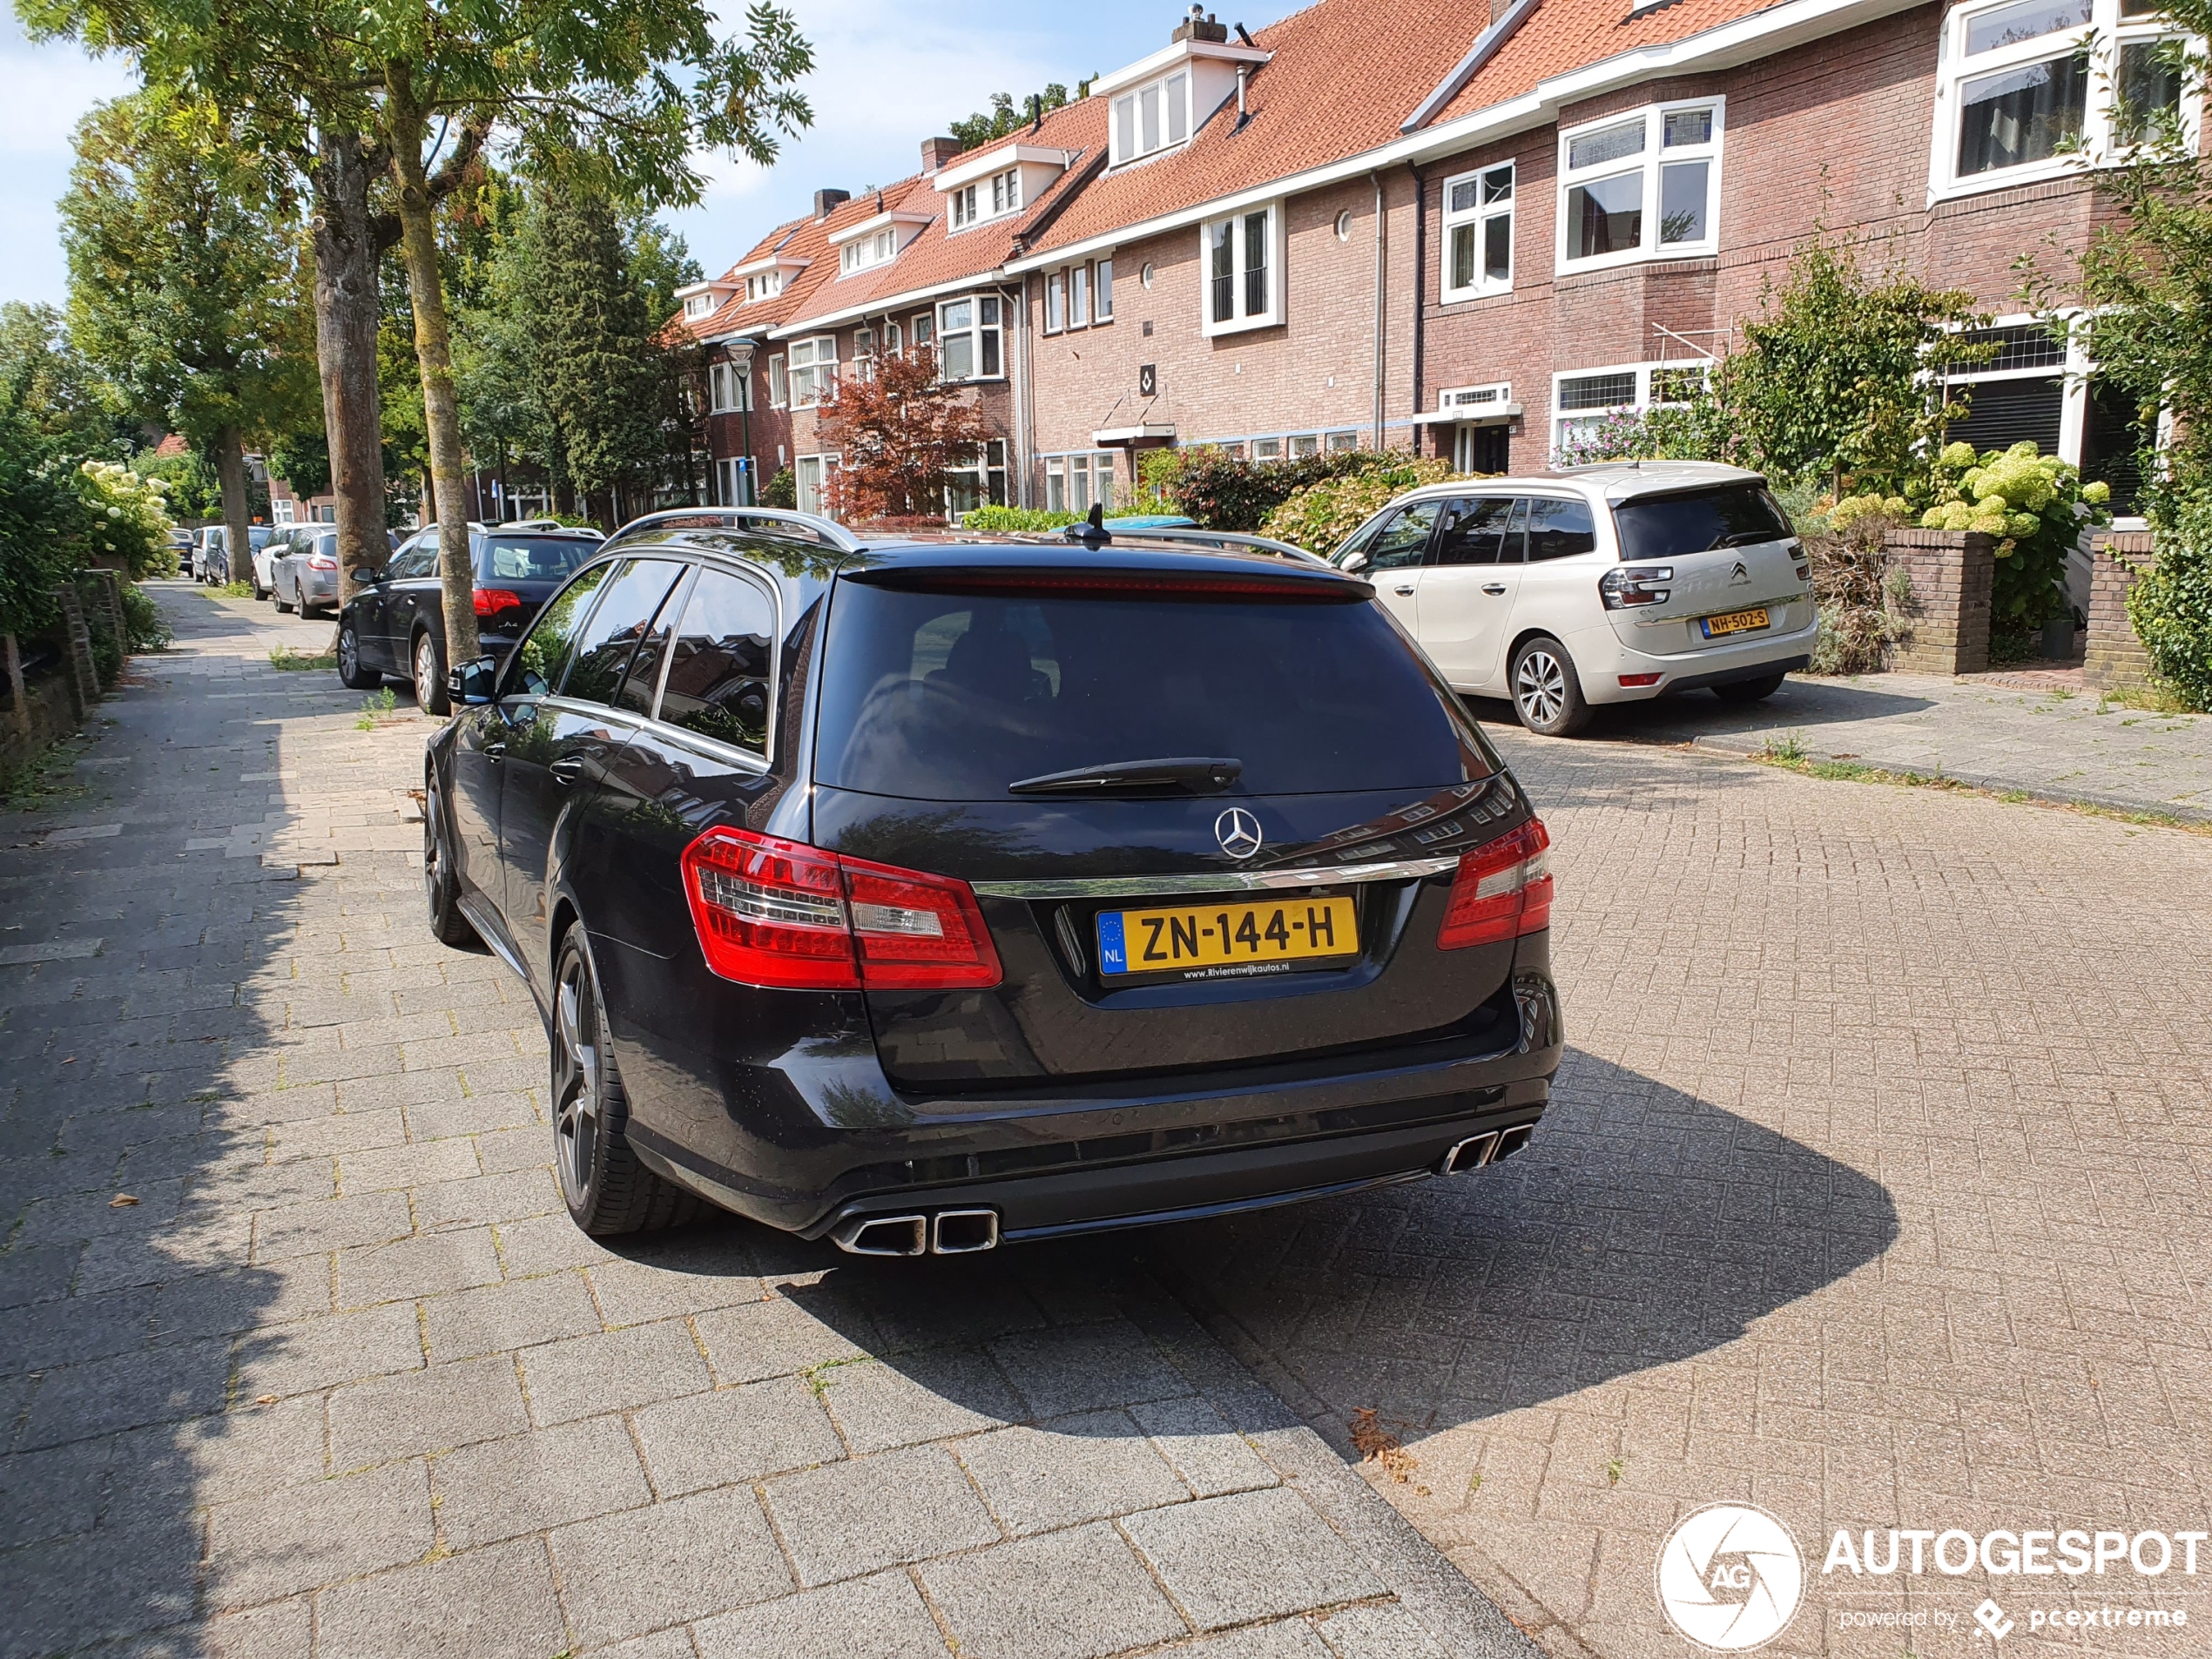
(349, 656)
(433, 843)
(1540, 686)
(426, 673)
(577, 1076)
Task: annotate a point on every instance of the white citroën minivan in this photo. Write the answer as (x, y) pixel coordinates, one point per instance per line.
(1606, 583)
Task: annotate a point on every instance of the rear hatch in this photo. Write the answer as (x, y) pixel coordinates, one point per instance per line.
(1704, 569)
(1265, 888)
(516, 573)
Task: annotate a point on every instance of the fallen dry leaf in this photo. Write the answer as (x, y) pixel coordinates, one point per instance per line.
(1376, 1443)
(121, 1201)
(265, 1399)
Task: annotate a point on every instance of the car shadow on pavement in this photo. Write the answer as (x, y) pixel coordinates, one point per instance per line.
(1802, 702)
(1642, 1226)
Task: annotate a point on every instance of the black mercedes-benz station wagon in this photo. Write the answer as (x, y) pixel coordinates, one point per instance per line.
(929, 896)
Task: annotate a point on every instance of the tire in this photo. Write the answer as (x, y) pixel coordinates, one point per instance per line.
(429, 659)
(277, 594)
(1547, 692)
(260, 592)
(351, 674)
(440, 884)
(1755, 691)
(609, 1191)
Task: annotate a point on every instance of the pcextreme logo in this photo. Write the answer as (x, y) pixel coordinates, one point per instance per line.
(1730, 1577)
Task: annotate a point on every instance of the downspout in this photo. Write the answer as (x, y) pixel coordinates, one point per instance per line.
(1025, 433)
(1382, 331)
(1421, 285)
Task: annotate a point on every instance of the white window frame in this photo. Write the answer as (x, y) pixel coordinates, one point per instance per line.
(813, 371)
(1073, 483)
(1167, 100)
(1079, 296)
(2102, 38)
(1241, 318)
(700, 305)
(1337, 443)
(976, 329)
(1056, 301)
(778, 381)
(864, 352)
(989, 466)
(1102, 292)
(1647, 165)
(765, 285)
(1005, 192)
(1642, 399)
(1476, 219)
(963, 212)
(866, 253)
(729, 388)
(810, 475)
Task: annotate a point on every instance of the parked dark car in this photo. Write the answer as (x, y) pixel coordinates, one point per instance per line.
(926, 896)
(394, 623)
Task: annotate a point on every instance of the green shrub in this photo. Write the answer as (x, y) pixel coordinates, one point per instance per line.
(144, 626)
(126, 515)
(2171, 606)
(1003, 521)
(1318, 516)
(1225, 492)
(782, 490)
(2036, 505)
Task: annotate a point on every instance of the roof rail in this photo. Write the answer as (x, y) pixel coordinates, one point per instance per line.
(740, 518)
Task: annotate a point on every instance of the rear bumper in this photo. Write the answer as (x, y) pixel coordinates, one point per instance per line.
(1602, 660)
(765, 1143)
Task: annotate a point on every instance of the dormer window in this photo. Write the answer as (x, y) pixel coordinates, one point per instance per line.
(1152, 118)
(992, 198)
(872, 250)
(767, 285)
(700, 305)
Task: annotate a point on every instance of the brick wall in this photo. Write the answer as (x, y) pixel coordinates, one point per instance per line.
(1952, 573)
(2115, 655)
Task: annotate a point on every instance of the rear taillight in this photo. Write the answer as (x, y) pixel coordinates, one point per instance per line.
(792, 917)
(491, 601)
(1624, 587)
(1503, 890)
(321, 561)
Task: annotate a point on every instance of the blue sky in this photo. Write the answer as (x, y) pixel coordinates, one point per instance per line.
(889, 76)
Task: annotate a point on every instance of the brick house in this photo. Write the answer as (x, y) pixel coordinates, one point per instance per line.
(1386, 224)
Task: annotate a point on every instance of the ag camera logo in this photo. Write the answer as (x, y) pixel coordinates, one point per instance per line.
(1730, 1577)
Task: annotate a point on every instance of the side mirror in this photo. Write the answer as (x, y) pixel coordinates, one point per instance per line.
(1352, 561)
(472, 682)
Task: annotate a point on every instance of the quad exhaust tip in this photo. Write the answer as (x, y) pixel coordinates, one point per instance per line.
(949, 1232)
(1477, 1151)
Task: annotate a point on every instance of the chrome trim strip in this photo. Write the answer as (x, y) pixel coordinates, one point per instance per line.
(1140, 887)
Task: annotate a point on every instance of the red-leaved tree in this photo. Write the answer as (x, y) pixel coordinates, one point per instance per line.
(898, 434)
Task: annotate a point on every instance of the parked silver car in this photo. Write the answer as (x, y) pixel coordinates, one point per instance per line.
(306, 578)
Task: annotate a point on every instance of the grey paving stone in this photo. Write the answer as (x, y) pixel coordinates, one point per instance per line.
(275, 1630)
(297, 1538)
(909, 1398)
(240, 1299)
(510, 1197)
(755, 1340)
(733, 1434)
(77, 1592)
(421, 1265)
(422, 1411)
(330, 1224)
(75, 1329)
(1075, 1594)
(646, 1569)
(612, 1370)
(315, 1353)
(1286, 1639)
(516, 1314)
(632, 1293)
(495, 1604)
(1074, 1469)
(47, 1494)
(881, 1617)
(549, 1477)
(239, 1453)
(36, 1274)
(1211, 1457)
(1380, 1631)
(383, 1168)
(851, 1518)
(545, 1245)
(152, 1385)
(1084, 1367)
(1253, 1556)
(661, 1644)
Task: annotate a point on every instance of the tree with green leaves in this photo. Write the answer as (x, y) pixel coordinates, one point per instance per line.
(1005, 116)
(182, 279)
(63, 399)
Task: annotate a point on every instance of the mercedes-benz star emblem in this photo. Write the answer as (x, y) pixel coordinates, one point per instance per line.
(1238, 833)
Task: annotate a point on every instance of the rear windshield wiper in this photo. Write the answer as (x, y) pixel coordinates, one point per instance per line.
(1200, 774)
(1745, 538)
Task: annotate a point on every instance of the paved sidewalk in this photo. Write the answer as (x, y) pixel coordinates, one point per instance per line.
(300, 1354)
(2048, 743)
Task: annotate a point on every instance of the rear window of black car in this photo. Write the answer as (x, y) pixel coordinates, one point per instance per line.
(532, 558)
(1668, 526)
(954, 696)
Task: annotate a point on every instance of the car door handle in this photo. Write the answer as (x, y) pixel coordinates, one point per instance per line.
(569, 769)
(1493, 587)
(495, 749)
(1405, 592)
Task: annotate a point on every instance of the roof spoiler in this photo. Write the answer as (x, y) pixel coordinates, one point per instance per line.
(1092, 532)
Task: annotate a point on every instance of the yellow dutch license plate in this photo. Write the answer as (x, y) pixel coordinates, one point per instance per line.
(1226, 941)
(1736, 622)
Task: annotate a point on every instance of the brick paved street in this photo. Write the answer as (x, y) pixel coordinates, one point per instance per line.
(1873, 1196)
(299, 1352)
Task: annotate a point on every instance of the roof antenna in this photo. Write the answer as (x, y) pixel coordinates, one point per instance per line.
(1092, 532)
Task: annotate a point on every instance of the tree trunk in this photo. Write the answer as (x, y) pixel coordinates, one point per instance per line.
(230, 471)
(433, 352)
(346, 322)
(17, 690)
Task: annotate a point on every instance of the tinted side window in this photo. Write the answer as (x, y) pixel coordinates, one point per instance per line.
(530, 559)
(543, 657)
(417, 558)
(718, 672)
(1404, 541)
(623, 616)
(1475, 532)
(642, 680)
(1559, 529)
